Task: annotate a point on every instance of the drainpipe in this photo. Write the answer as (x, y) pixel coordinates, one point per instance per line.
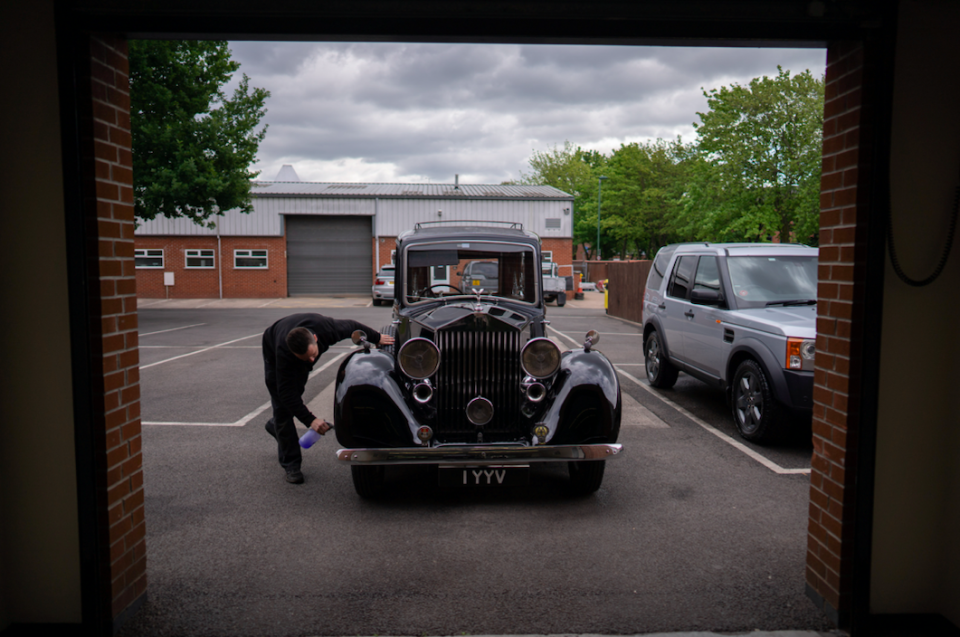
(219, 259)
(376, 235)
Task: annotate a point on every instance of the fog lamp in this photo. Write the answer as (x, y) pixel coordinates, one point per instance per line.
(479, 411)
(424, 433)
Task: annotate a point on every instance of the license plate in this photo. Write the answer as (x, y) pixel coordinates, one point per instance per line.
(476, 282)
(498, 476)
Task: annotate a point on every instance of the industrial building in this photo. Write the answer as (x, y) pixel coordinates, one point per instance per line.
(310, 238)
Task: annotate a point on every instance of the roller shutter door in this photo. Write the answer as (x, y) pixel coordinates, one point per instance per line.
(329, 255)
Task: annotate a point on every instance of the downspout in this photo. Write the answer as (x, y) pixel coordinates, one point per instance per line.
(376, 235)
(219, 260)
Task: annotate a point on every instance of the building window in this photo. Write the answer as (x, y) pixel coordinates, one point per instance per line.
(553, 224)
(199, 259)
(547, 255)
(393, 257)
(148, 259)
(256, 259)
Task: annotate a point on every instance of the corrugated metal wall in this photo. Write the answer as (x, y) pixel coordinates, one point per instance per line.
(395, 216)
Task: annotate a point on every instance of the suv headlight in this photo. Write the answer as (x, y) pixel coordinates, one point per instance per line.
(540, 358)
(419, 358)
(800, 353)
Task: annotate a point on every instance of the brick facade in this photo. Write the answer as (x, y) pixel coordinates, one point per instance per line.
(191, 283)
(109, 198)
(830, 547)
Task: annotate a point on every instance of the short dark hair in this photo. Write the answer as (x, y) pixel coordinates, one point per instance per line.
(299, 340)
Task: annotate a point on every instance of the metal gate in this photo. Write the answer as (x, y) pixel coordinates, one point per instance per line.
(328, 255)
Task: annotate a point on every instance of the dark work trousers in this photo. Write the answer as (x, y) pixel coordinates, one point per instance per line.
(288, 443)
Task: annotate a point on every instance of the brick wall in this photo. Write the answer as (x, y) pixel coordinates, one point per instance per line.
(121, 524)
(830, 533)
(205, 283)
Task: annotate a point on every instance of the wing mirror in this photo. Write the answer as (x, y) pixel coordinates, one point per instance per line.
(592, 338)
(706, 297)
(359, 337)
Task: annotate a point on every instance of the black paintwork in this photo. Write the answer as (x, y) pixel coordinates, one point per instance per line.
(374, 404)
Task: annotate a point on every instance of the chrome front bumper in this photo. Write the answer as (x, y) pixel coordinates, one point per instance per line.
(479, 454)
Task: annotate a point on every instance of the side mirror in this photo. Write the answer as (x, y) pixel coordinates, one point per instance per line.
(706, 297)
(359, 337)
(592, 338)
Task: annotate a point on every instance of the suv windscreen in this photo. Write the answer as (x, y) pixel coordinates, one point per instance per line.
(514, 268)
(761, 281)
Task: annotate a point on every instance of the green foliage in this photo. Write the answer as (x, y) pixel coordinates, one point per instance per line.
(753, 174)
(760, 150)
(192, 145)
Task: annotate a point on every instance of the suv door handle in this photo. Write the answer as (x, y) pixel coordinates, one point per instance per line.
(689, 314)
(662, 306)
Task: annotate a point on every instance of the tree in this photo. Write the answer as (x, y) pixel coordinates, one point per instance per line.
(574, 171)
(760, 147)
(192, 145)
(646, 184)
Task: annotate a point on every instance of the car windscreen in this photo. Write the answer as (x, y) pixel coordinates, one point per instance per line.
(508, 270)
(759, 281)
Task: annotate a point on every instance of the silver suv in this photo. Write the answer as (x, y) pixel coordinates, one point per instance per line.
(738, 316)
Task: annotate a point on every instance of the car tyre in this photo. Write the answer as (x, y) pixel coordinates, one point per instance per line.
(586, 476)
(756, 411)
(376, 302)
(660, 371)
(368, 480)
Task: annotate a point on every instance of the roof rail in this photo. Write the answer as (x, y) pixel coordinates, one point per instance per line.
(468, 222)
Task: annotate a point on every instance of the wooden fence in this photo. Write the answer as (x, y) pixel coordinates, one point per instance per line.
(627, 280)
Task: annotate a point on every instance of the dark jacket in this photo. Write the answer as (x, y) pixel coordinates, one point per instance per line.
(286, 375)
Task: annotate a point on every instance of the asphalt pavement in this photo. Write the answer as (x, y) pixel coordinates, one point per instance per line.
(688, 533)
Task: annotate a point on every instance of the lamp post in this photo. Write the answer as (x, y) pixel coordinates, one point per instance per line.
(599, 199)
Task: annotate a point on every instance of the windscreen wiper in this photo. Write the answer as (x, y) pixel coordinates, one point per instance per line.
(793, 302)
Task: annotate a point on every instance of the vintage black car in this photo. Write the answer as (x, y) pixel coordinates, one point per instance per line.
(472, 383)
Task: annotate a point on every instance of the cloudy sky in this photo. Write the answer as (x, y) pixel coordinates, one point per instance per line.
(412, 113)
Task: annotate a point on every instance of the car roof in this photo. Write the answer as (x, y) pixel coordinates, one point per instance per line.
(456, 230)
(741, 249)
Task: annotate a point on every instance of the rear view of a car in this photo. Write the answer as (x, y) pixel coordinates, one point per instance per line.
(383, 285)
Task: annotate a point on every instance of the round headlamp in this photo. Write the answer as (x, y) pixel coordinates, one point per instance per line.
(479, 411)
(419, 358)
(540, 358)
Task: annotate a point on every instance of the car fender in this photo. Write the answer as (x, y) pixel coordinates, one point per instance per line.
(653, 323)
(758, 351)
(370, 408)
(586, 404)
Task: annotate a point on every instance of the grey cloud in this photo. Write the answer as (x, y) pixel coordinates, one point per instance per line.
(437, 109)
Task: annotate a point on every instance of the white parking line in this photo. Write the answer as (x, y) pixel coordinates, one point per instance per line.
(769, 464)
(172, 329)
(200, 351)
(253, 414)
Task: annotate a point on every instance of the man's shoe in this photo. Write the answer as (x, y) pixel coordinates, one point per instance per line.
(294, 476)
(271, 428)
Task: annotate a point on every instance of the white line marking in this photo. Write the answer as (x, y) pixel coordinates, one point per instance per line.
(199, 351)
(559, 333)
(188, 347)
(769, 464)
(268, 303)
(172, 329)
(253, 414)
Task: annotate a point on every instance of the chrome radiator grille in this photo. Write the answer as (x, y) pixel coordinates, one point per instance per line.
(478, 363)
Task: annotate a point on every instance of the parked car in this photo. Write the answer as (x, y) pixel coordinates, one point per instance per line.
(383, 285)
(741, 317)
(554, 285)
(480, 275)
(472, 383)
